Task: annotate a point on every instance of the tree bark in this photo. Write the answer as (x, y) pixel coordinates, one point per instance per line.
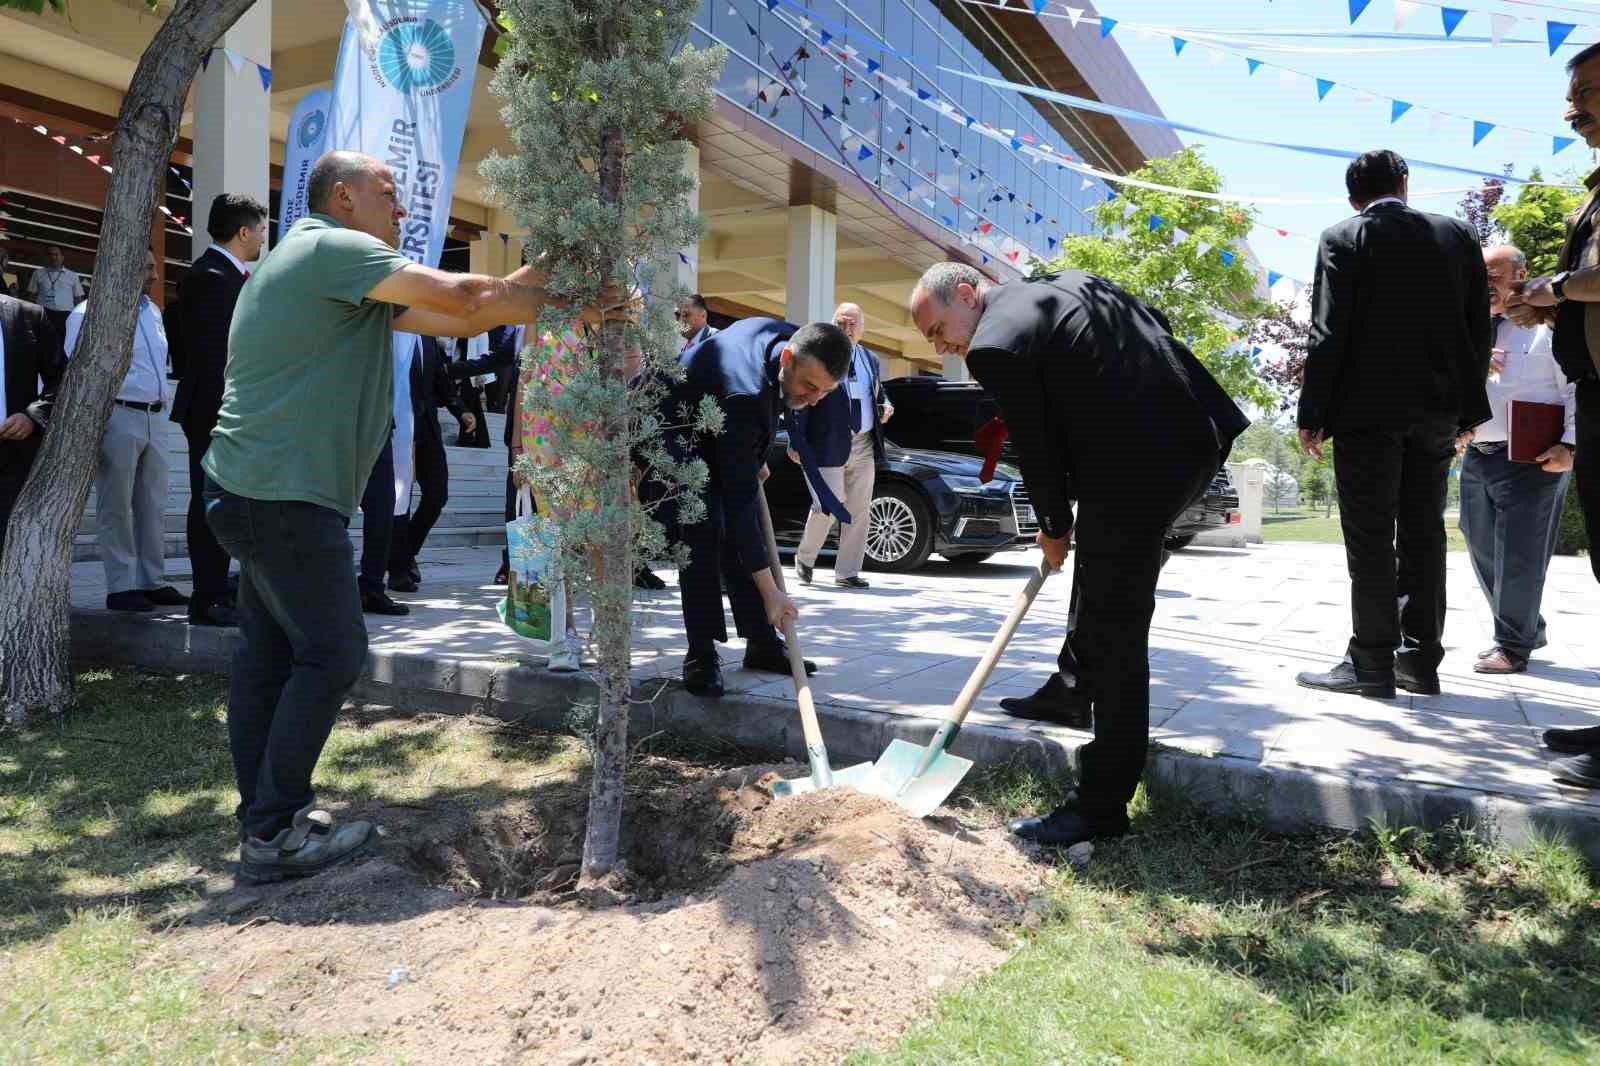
(614, 598)
(36, 568)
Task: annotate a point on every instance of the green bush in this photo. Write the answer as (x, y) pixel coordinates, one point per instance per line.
(1571, 538)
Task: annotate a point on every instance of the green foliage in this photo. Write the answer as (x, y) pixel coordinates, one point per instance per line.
(1572, 537)
(572, 74)
(1211, 305)
(1536, 222)
(35, 7)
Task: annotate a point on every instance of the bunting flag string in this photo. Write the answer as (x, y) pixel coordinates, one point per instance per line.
(97, 158)
(1325, 86)
(237, 60)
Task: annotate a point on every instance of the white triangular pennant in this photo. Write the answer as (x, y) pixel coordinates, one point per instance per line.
(1436, 121)
(235, 60)
(1214, 55)
(1288, 78)
(1363, 97)
(1074, 13)
(1499, 26)
(1179, 235)
(1404, 9)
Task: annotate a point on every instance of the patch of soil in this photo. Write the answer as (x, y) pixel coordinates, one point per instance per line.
(755, 931)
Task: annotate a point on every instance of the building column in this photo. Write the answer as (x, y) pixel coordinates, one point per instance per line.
(955, 368)
(491, 255)
(813, 256)
(687, 275)
(232, 120)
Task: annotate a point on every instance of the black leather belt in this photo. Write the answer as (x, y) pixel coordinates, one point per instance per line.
(1492, 447)
(153, 408)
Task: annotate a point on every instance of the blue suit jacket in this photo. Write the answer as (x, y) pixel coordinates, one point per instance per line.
(821, 434)
(738, 367)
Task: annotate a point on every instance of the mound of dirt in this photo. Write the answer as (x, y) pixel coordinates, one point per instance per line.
(760, 931)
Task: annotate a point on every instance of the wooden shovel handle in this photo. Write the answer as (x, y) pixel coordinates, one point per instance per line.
(797, 663)
(997, 646)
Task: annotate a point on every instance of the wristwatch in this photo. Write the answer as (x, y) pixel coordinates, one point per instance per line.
(1558, 285)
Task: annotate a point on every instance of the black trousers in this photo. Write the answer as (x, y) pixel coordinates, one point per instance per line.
(713, 565)
(1118, 547)
(1392, 487)
(11, 479)
(58, 319)
(1586, 465)
(206, 557)
(472, 401)
(377, 521)
(411, 530)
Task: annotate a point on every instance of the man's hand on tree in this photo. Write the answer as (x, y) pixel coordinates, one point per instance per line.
(18, 427)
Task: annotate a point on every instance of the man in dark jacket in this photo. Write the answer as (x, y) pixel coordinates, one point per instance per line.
(431, 389)
(237, 226)
(1101, 402)
(751, 369)
(30, 352)
(1396, 369)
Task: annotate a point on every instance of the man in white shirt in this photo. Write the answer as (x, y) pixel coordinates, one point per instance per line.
(55, 288)
(131, 482)
(1510, 511)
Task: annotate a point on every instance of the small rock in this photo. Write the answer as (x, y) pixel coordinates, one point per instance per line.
(664, 948)
(575, 1057)
(241, 902)
(805, 903)
(256, 992)
(398, 974)
(503, 927)
(772, 884)
(588, 1032)
(1079, 854)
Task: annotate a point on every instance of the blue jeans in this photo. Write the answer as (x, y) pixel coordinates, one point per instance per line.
(305, 643)
(1510, 514)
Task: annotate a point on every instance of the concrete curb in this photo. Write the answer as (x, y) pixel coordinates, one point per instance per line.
(1281, 797)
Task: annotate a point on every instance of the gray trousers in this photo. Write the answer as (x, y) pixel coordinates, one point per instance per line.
(130, 488)
(1510, 513)
(852, 484)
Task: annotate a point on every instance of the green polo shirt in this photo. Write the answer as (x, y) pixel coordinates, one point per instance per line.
(309, 391)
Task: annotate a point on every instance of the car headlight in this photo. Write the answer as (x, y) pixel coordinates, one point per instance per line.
(965, 486)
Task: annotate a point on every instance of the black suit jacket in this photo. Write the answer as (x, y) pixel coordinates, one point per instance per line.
(33, 352)
(432, 388)
(206, 301)
(1098, 396)
(1399, 324)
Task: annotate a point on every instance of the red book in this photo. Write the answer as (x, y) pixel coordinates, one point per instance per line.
(1533, 428)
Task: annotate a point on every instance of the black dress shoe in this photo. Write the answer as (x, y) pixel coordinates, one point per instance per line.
(166, 596)
(1413, 677)
(380, 603)
(202, 613)
(414, 573)
(645, 578)
(851, 583)
(1580, 770)
(1345, 678)
(402, 583)
(132, 600)
(1573, 741)
(803, 571)
(1056, 702)
(774, 660)
(702, 676)
(1069, 824)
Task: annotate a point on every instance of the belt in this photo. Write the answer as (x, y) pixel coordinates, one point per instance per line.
(153, 408)
(1490, 447)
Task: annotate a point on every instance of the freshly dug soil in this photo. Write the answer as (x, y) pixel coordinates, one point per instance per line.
(754, 930)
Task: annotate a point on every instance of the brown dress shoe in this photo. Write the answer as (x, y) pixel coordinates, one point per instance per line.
(1500, 661)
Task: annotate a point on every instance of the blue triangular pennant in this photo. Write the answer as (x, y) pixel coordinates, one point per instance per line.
(205, 60)
(825, 37)
(1038, 6)
(1452, 17)
(985, 259)
(827, 112)
(683, 259)
(1480, 130)
(948, 221)
(1254, 64)
(1051, 241)
(266, 77)
(864, 155)
(1273, 277)
(1323, 87)
(1560, 144)
(1254, 349)
(1227, 258)
(1037, 218)
(923, 94)
(1016, 145)
(1106, 26)
(1557, 33)
(772, 5)
(1356, 8)
(1156, 222)
(1396, 109)
(1177, 45)
(873, 66)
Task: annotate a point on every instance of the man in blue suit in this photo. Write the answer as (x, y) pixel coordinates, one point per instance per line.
(752, 369)
(843, 434)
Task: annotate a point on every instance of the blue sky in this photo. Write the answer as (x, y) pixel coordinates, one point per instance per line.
(1515, 85)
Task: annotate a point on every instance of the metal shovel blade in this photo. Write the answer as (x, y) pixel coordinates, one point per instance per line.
(895, 777)
(859, 777)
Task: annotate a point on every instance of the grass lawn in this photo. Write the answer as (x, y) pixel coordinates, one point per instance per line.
(1192, 940)
(1308, 524)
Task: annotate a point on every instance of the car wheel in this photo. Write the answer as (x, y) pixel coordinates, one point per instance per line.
(1179, 543)
(968, 558)
(899, 530)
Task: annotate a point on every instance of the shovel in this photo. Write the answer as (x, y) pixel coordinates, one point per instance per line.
(919, 779)
(822, 776)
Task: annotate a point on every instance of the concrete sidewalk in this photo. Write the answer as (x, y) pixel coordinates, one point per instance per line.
(1232, 627)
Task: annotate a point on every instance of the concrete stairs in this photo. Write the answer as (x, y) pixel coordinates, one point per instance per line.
(473, 517)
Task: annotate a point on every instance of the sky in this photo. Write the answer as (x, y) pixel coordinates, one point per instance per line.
(1509, 85)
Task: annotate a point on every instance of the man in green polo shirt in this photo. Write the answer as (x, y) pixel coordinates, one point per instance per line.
(305, 413)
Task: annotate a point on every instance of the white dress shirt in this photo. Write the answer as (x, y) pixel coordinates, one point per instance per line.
(147, 374)
(1531, 373)
(57, 290)
(238, 264)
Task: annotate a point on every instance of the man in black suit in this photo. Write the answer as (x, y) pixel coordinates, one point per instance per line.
(751, 369)
(499, 361)
(431, 389)
(30, 351)
(1104, 403)
(237, 226)
(1396, 369)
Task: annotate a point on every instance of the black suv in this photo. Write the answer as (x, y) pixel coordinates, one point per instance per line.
(932, 412)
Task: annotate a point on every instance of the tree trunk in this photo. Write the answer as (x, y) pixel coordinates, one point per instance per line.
(614, 597)
(36, 567)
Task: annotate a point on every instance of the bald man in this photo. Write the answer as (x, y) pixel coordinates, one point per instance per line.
(843, 433)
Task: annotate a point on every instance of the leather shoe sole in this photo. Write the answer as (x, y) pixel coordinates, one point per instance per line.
(383, 605)
(1580, 770)
(703, 679)
(1573, 741)
(1073, 711)
(1064, 827)
(775, 664)
(1350, 685)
